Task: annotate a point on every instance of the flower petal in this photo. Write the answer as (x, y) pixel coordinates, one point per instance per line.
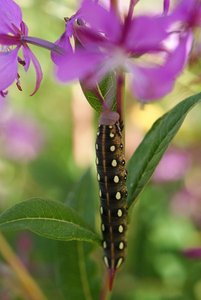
(101, 19)
(27, 58)
(88, 38)
(166, 6)
(10, 13)
(70, 24)
(8, 68)
(155, 82)
(146, 33)
(37, 67)
(78, 65)
(64, 43)
(186, 11)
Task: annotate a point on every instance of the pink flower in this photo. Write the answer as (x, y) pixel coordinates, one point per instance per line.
(13, 36)
(104, 43)
(187, 14)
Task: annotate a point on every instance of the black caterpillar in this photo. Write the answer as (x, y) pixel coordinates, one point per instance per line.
(110, 161)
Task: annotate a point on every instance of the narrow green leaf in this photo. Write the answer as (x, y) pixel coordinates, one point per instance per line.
(107, 88)
(77, 271)
(48, 218)
(147, 156)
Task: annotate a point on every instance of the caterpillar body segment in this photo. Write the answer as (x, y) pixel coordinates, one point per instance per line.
(111, 175)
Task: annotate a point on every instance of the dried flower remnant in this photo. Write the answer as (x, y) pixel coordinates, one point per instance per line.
(13, 37)
(107, 44)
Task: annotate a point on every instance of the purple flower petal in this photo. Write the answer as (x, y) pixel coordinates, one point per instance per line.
(177, 59)
(89, 39)
(70, 24)
(151, 83)
(101, 20)
(39, 73)
(64, 43)
(27, 58)
(10, 13)
(78, 65)
(186, 11)
(37, 67)
(8, 68)
(166, 6)
(155, 82)
(146, 33)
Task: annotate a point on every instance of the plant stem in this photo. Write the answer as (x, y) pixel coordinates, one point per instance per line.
(131, 8)
(120, 94)
(28, 283)
(104, 293)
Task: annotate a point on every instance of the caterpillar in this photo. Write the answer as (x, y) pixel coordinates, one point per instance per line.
(111, 174)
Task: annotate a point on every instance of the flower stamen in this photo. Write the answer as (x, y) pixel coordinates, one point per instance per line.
(18, 84)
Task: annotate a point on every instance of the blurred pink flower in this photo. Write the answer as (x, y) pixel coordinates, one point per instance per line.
(172, 167)
(186, 203)
(194, 253)
(21, 136)
(24, 247)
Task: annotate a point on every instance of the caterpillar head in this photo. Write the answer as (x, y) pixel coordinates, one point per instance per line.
(108, 118)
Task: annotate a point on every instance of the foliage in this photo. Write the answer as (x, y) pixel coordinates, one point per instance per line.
(70, 221)
(58, 241)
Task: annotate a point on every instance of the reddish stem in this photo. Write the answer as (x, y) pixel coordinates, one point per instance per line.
(120, 94)
(131, 8)
(105, 288)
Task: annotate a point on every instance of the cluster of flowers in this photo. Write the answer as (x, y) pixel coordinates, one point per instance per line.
(105, 42)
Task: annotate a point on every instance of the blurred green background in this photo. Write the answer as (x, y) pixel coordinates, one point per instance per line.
(47, 143)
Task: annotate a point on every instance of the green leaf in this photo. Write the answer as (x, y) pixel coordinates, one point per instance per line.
(149, 153)
(107, 88)
(84, 197)
(48, 218)
(77, 271)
